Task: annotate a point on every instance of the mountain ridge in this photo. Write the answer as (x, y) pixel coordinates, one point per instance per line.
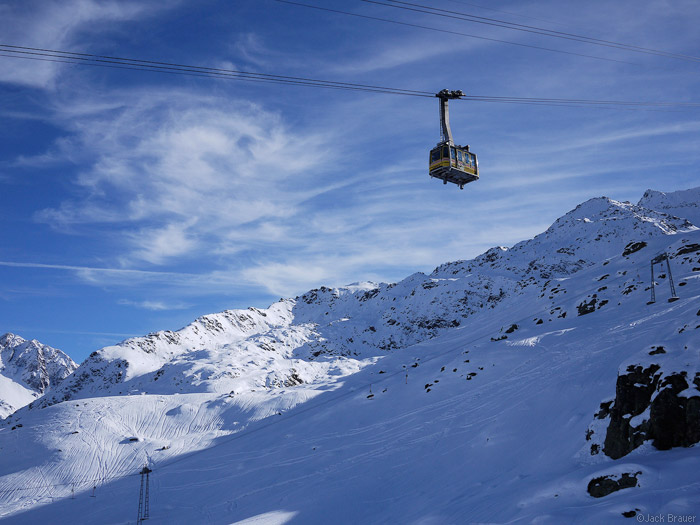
(344, 321)
(27, 370)
(474, 393)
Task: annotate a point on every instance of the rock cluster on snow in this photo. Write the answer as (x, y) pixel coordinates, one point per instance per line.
(489, 370)
(651, 404)
(604, 485)
(295, 336)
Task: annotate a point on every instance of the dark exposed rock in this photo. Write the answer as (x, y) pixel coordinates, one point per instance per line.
(672, 421)
(604, 485)
(633, 247)
(433, 324)
(604, 410)
(688, 248)
(293, 379)
(657, 350)
(586, 307)
(632, 396)
(629, 289)
(369, 294)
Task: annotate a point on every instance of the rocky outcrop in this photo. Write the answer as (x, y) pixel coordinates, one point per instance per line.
(674, 418)
(603, 485)
(652, 404)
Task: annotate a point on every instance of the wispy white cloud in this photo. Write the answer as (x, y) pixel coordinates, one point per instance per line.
(250, 48)
(234, 190)
(592, 138)
(97, 270)
(177, 171)
(181, 282)
(156, 245)
(388, 53)
(55, 24)
(155, 305)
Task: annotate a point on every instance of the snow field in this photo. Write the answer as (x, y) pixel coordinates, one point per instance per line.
(482, 422)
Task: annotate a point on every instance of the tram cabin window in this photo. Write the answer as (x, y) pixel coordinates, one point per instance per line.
(446, 152)
(435, 155)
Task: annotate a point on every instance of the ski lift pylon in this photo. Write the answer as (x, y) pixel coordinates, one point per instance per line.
(659, 259)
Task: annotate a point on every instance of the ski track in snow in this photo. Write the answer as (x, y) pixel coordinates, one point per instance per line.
(489, 426)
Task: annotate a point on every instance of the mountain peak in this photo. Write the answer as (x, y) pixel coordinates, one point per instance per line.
(417, 368)
(27, 370)
(364, 317)
(682, 203)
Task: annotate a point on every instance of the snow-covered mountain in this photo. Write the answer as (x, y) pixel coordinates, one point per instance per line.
(530, 384)
(27, 370)
(678, 203)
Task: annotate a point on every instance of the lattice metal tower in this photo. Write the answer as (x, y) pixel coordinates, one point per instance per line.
(144, 508)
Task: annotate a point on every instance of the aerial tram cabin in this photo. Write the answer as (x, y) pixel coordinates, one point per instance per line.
(449, 162)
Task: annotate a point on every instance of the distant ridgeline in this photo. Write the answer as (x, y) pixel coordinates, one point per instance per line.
(27, 370)
(543, 360)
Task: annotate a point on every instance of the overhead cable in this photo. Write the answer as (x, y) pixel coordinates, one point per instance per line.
(520, 15)
(445, 13)
(70, 57)
(53, 55)
(447, 31)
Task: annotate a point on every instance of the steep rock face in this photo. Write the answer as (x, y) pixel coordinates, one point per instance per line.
(654, 401)
(674, 416)
(633, 393)
(28, 370)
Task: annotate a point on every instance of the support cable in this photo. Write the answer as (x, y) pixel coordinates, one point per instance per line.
(409, 6)
(447, 31)
(150, 65)
(69, 57)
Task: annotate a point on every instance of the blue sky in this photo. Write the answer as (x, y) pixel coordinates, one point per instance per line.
(134, 201)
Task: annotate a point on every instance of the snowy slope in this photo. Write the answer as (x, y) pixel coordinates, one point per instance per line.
(27, 370)
(679, 203)
(227, 351)
(467, 395)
